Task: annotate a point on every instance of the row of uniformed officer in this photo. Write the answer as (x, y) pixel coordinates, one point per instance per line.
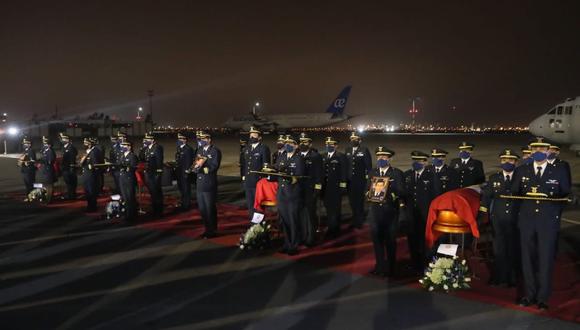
(334, 185)
(26, 162)
(184, 158)
(47, 167)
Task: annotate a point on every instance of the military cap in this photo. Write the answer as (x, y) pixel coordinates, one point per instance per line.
(419, 155)
(305, 138)
(384, 151)
(281, 138)
(555, 147)
(508, 153)
(26, 141)
(203, 135)
(330, 140)
(149, 136)
(466, 146)
(126, 143)
(526, 150)
(121, 134)
(254, 130)
(181, 136)
(290, 139)
(354, 136)
(45, 140)
(64, 137)
(538, 142)
(436, 152)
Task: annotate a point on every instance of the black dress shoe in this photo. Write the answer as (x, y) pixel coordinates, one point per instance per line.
(525, 302)
(542, 306)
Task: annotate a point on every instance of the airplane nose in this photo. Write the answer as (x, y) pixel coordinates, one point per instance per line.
(537, 126)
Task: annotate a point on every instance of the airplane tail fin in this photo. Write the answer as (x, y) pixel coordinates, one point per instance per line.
(337, 106)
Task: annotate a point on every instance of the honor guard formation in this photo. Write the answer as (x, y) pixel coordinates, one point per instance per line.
(525, 226)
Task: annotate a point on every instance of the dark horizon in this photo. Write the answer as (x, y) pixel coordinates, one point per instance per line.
(496, 63)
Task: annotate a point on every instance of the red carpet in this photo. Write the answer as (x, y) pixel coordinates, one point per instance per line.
(352, 252)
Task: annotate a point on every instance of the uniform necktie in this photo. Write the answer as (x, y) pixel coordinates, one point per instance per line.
(507, 178)
(539, 172)
(417, 176)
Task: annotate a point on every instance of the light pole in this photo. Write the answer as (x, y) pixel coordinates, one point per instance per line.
(413, 113)
(254, 107)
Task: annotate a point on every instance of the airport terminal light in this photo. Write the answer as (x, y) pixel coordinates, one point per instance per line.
(13, 131)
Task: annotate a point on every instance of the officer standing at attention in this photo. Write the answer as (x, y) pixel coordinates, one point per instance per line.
(89, 174)
(280, 143)
(334, 185)
(99, 170)
(68, 167)
(183, 162)
(359, 166)
(384, 215)
(241, 162)
(448, 178)
(255, 155)
(26, 162)
(115, 155)
(153, 154)
(421, 187)
(207, 164)
(127, 179)
(526, 156)
(289, 195)
(46, 171)
(470, 170)
(311, 187)
(503, 216)
(554, 159)
(539, 221)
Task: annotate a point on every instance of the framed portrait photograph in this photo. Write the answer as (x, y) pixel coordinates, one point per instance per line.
(378, 190)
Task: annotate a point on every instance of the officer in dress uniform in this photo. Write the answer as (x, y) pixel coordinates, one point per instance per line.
(280, 143)
(255, 155)
(470, 170)
(27, 166)
(421, 187)
(289, 195)
(207, 164)
(68, 167)
(127, 179)
(311, 187)
(554, 159)
(46, 171)
(115, 155)
(539, 221)
(184, 157)
(503, 216)
(359, 166)
(384, 215)
(526, 156)
(90, 174)
(448, 178)
(153, 154)
(100, 170)
(334, 185)
(241, 162)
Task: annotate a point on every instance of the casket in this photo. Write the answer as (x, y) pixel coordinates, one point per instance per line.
(450, 223)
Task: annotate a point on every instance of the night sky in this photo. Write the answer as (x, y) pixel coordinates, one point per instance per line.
(495, 61)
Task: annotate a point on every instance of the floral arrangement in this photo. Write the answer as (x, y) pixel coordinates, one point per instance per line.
(256, 237)
(114, 209)
(37, 195)
(446, 274)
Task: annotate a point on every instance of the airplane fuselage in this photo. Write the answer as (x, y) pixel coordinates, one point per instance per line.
(560, 124)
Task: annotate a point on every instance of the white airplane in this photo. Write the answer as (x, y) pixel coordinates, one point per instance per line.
(561, 124)
(333, 115)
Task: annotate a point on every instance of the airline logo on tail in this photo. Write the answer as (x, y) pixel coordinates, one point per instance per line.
(337, 106)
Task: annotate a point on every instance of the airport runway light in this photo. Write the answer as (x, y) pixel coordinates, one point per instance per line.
(13, 131)
(360, 128)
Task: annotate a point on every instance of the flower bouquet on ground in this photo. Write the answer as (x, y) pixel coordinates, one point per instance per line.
(37, 195)
(256, 237)
(445, 274)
